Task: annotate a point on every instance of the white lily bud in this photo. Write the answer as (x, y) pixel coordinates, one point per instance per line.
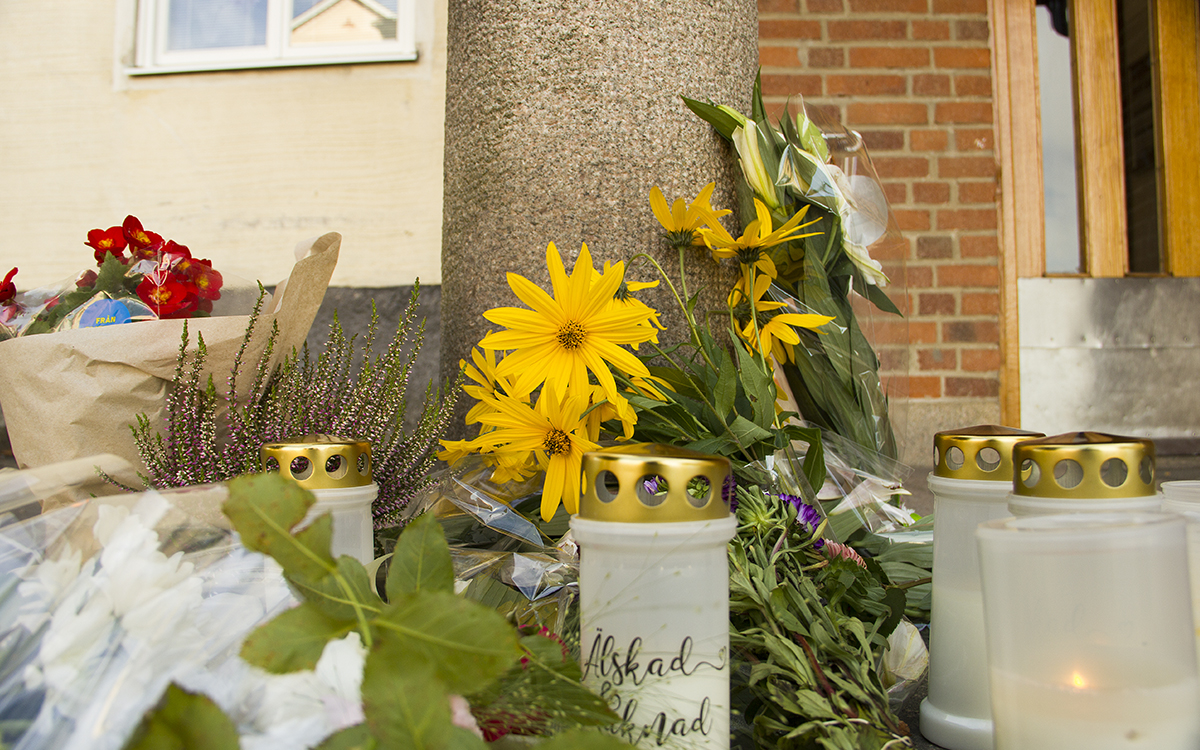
(745, 139)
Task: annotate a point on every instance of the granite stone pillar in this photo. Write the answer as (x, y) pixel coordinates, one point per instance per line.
(560, 117)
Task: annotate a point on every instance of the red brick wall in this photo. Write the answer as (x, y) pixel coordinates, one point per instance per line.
(914, 77)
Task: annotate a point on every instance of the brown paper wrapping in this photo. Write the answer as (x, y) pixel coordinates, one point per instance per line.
(74, 394)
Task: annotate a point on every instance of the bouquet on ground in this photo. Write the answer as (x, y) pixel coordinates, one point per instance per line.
(138, 276)
(145, 622)
(796, 169)
(583, 367)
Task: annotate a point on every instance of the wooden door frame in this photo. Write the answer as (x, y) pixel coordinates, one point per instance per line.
(1100, 164)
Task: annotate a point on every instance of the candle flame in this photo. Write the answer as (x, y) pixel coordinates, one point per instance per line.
(1078, 681)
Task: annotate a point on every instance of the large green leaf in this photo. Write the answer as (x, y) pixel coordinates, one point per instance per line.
(184, 721)
(406, 708)
(465, 644)
(265, 508)
(421, 561)
(357, 737)
(759, 387)
(347, 593)
(726, 389)
(293, 640)
(747, 432)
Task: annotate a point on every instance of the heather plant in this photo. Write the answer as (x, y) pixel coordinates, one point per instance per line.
(347, 390)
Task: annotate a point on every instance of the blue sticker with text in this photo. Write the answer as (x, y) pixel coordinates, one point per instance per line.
(104, 312)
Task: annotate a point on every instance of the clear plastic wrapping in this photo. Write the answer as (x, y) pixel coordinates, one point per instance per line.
(106, 602)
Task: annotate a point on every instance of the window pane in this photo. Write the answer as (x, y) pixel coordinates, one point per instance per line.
(1137, 125)
(204, 24)
(1058, 147)
(343, 21)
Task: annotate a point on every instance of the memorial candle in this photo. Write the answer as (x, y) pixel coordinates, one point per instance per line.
(1089, 628)
(971, 481)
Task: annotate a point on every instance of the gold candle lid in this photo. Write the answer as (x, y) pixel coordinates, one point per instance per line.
(653, 483)
(320, 462)
(1084, 465)
(982, 453)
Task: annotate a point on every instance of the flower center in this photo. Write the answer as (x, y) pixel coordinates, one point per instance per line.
(571, 335)
(748, 256)
(556, 442)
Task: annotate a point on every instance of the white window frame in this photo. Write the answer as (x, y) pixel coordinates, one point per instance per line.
(153, 57)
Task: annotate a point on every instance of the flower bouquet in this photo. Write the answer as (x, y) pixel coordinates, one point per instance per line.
(797, 169)
(145, 621)
(560, 382)
(75, 392)
(158, 279)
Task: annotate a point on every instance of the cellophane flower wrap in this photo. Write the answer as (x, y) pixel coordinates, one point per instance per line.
(138, 275)
(824, 173)
(107, 602)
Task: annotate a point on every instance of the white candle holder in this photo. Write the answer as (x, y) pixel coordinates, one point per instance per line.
(1183, 497)
(1083, 472)
(1089, 631)
(338, 472)
(654, 593)
(971, 481)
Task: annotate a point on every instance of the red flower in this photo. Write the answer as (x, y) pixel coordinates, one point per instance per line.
(86, 279)
(143, 245)
(208, 281)
(165, 296)
(173, 250)
(111, 240)
(8, 290)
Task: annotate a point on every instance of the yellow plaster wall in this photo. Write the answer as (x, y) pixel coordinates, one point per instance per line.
(239, 166)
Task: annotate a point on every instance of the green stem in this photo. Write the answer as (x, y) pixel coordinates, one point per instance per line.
(691, 322)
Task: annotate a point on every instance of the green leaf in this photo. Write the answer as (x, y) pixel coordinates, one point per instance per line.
(421, 561)
(264, 508)
(759, 387)
(747, 432)
(464, 739)
(345, 594)
(405, 708)
(110, 278)
(878, 298)
(465, 644)
(721, 121)
(718, 444)
(726, 389)
(895, 599)
(184, 721)
(357, 737)
(293, 640)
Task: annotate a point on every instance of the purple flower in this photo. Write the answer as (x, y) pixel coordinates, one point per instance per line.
(805, 513)
(729, 492)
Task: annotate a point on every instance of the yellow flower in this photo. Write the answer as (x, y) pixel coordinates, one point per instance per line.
(600, 410)
(775, 329)
(554, 430)
(680, 221)
(757, 237)
(487, 384)
(564, 336)
(623, 296)
(454, 451)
